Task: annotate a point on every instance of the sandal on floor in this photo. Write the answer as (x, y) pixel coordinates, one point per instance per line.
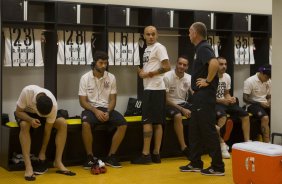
(68, 173)
(30, 178)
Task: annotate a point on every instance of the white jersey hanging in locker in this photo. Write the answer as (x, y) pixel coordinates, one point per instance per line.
(123, 48)
(23, 47)
(75, 47)
(214, 41)
(244, 50)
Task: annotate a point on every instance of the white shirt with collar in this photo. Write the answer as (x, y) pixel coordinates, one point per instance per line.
(256, 89)
(97, 90)
(177, 88)
(27, 101)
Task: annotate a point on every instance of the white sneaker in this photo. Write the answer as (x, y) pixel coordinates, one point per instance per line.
(224, 151)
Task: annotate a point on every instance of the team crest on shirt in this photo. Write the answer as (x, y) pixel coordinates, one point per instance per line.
(106, 84)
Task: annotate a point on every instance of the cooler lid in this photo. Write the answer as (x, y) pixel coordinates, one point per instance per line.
(260, 148)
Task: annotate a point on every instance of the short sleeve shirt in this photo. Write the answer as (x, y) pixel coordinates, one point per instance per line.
(256, 89)
(27, 101)
(203, 55)
(152, 59)
(97, 90)
(177, 88)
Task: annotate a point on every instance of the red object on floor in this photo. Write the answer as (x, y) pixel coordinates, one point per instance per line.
(228, 129)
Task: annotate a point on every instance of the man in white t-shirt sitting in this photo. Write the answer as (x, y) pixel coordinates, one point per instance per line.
(37, 107)
(225, 103)
(178, 86)
(257, 96)
(97, 95)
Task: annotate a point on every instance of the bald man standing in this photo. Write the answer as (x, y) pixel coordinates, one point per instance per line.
(156, 63)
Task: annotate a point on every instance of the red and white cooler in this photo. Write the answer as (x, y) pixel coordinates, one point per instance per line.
(257, 163)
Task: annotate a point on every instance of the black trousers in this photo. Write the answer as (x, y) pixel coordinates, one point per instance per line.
(202, 132)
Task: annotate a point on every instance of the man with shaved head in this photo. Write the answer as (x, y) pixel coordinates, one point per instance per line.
(155, 64)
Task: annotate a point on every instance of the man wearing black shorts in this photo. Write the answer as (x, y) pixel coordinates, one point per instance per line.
(37, 107)
(257, 96)
(156, 63)
(225, 103)
(97, 95)
(204, 83)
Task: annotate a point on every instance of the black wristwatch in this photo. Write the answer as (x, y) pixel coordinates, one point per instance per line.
(208, 82)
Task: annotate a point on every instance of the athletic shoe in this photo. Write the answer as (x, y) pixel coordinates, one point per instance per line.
(211, 172)
(90, 162)
(112, 161)
(189, 168)
(156, 158)
(143, 159)
(228, 129)
(224, 151)
(186, 152)
(40, 167)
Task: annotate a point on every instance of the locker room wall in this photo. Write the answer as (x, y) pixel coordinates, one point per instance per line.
(240, 72)
(261, 6)
(68, 77)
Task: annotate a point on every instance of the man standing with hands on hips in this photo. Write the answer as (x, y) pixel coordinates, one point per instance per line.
(204, 83)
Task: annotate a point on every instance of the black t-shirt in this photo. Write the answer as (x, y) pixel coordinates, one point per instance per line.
(204, 53)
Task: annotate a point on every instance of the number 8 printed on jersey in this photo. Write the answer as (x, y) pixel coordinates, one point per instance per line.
(74, 47)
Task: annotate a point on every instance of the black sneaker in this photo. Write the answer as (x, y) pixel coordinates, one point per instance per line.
(90, 162)
(211, 172)
(186, 152)
(156, 158)
(143, 159)
(40, 167)
(189, 168)
(112, 161)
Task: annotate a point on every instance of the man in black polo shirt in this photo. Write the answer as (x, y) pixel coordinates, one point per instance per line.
(202, 131)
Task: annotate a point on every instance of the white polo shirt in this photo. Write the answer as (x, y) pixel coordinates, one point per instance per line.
(256, 89)
(177, 88)
(97, 90)
(27, 101)
(152, 59)
(224, 84)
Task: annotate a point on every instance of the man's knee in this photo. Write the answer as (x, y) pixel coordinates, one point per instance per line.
(86, 126)
(60, 124)
(25, 126)
(122, 128)
(265, 120)
(147, 134)
(177, 117)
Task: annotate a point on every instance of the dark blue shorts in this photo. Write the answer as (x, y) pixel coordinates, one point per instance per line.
(172, 111)
(234, 110)
(115, 119)
(258, 111)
